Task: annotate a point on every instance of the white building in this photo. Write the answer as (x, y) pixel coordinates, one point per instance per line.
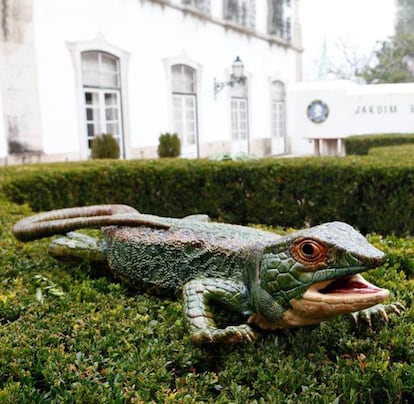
(322, 114)
(73, 69)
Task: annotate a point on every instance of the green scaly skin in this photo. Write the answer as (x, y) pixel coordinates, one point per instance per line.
(275, 282)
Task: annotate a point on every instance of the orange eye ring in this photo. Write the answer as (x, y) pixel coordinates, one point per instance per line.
(309, 251)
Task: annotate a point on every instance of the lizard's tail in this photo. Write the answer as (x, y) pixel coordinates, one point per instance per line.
(61, 221)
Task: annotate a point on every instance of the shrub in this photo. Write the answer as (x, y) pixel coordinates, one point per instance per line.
(371, 193)
(169, 145)
(362, 144)
(105, 146)
(73, 334)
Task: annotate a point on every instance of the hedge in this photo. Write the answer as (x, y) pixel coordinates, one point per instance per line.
(361, 144)
(72, 334)
(372, 193)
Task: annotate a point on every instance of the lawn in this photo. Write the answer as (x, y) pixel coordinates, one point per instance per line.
(73, 333)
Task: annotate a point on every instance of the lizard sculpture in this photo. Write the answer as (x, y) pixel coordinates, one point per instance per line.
(275, 282)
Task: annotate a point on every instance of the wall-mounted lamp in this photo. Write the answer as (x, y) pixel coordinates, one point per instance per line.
(237, 76)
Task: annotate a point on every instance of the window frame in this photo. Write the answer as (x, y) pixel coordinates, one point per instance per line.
(241, 12)
(278, 116)
(101, 70)
(202, 5)
(279, 21)
(185, 92)
(96, 86)
(240, 125)
(99, 43)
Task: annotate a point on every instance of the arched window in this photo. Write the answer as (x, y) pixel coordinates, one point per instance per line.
(278, 117)
(184, 92)
(102, 95)
(202, 5)
(239, 117)
(279, 18)
(241, 12)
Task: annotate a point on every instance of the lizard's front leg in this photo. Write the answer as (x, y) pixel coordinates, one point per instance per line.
(197, 295)
(77, 247)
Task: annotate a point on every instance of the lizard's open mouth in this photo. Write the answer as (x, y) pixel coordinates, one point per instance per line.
(327, 299)
(350, 284)
(324, 300)
(351, 290)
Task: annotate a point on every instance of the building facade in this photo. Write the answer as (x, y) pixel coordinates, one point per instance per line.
(214, 72)
(322, 114)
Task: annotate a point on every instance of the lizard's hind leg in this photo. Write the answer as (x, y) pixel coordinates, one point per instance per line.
(77, 247)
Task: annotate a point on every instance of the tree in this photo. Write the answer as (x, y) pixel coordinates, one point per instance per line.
(342, 58)
(393, 61)
(405, 17)
(348, 62)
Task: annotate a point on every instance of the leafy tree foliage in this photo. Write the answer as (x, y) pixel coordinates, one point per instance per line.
(405, 17)
(348, 63)
(394, 61)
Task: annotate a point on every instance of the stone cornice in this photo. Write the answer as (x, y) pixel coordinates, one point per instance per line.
(229, 25)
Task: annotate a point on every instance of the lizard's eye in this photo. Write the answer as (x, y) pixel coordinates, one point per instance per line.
(309, 251)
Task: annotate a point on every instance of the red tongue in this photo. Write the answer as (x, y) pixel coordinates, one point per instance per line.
(355, 287)
(349, 286)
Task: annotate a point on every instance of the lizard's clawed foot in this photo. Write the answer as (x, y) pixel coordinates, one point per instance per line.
(381, 310)
(228, 335)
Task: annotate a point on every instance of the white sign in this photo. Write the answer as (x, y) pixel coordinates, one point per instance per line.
(327, 112)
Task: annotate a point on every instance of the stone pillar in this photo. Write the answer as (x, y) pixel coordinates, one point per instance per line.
(317, 147)
(19, 85)
(340, 147)
(3, 140)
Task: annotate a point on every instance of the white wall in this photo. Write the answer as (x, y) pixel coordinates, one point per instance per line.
(353, 110)
(3, 141)
(18, 85)
(153, 36)
(385, 108)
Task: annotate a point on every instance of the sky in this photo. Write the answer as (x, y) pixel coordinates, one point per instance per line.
(360, 23)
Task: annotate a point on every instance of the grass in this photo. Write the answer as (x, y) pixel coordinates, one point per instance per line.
(72, 333)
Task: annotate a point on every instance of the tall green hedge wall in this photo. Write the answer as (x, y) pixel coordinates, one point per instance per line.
(371, 193)
(361, 145)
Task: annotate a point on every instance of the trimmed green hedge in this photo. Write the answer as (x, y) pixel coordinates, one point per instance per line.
(361, 145)
(371, 193)
(73, 334)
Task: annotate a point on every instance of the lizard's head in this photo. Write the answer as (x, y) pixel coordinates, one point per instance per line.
(314, 274)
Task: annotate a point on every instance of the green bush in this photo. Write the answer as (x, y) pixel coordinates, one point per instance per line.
(105, 146)
(361, 145)
(97, 341)
(169, 145)
(74, 334)
(373, 193)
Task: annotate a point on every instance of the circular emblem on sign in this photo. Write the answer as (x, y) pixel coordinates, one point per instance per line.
(317, 111)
